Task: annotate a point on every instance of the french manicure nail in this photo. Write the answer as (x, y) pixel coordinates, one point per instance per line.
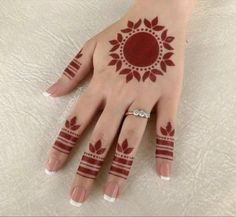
(111, 192)
(45, 93)
(52, 166)
(165, 178)
(78, 196)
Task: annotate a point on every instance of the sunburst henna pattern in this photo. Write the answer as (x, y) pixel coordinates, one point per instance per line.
(142, 50)
(165, 142)
(74, 66)
(91, 161)
(67, 137)
(122, 162)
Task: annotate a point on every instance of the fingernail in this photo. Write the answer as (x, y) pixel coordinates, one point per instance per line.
(165, 171)
(165, 178)
(111, 192)
(45, 93)
(52, 166)
(78, 196)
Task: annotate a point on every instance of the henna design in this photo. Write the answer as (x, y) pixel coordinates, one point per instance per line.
(74, 66)
(67, 138)
(142, 50)
(91, 163)
(121, 163)
(165, 143)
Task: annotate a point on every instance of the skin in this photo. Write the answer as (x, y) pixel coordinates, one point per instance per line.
(109, 91)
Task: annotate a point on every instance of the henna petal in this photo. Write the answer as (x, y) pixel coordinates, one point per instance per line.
(91, 148)
(147, 23)
(146, 75)
(115, 48)
(125, 71)
(126, 30)
(113, 62)
(169, 39)
(118, 65)
(158, 28)
(163, 35)
(119, 37)
(119, 148)
(155, 21)
(172, 133)
(137, 24)
(157, 72)
(125, 144)
(98, 145)
(113, 42)
(130, 24)
(78, 56)
(167, 46)
(129, 77)
(169, 63)
(128, 150)
(163, 131)
(73, 121)
(168, 55)
(168, 127)
(67, 124)
(163, 66)
(152, 77)
(115, 56)
(101, 151)
(137, 75)
(75, 127)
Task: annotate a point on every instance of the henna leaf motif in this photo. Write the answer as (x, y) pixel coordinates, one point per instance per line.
(147, 23)
(158, 28)
(152, 77)
(157, 72)
(124, 147)
(125, 144)
(101, 151)
(169, 63)
(130, 24)
(163, 131)
(115, 48)
(119, 37)
(137, 75)
(67, 124)
(168, 55)
(118, 65)
(167, 46)
(75, 127)
(137, 24)
(168, 127)
(98, 145)
(119, 148)
(163, 35)
(113, 42)
(146, 75)
(168, 130)
(126, 30)
(128, 150)
(169, 39)
(91, 148)
(163, 66)
(155, 21)
(115, 56)
(125, 71)
(113, 62)
(129, 77)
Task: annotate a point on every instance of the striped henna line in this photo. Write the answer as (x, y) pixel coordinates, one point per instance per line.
(91, 162)
(122, 162)
(74, 66)
(165, 142)
(67, 137)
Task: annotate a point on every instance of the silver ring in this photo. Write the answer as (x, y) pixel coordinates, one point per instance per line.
(138, 113)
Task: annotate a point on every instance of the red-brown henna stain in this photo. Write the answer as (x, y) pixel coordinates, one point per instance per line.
(74, 66)
(165, 142)
(91, 162)
(67, 137)
(142, 50)
(121, 163)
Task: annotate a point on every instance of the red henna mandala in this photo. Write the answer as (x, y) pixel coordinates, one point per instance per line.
(142, 50)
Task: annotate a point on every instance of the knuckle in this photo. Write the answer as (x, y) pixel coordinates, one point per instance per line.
(131, 133)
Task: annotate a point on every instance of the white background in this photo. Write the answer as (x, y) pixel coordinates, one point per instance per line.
(37, 40)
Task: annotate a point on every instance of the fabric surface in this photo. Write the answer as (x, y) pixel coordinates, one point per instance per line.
(39, 38)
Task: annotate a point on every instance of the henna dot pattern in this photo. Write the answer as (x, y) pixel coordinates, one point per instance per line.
(142, 50)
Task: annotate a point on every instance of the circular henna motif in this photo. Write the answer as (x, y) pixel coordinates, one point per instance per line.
(142, 50)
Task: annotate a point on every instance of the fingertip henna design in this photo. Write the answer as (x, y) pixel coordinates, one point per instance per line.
(67, 137)
(74, 66)
(122, 162)
(91, 161)
(142, 51)
(165, 142)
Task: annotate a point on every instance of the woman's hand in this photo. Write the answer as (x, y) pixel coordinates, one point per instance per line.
(138, 64)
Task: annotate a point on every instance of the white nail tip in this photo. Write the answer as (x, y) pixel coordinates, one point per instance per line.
(165, 178)
(46, 94)
(50, 173)
(74, 203)
(110, 199)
